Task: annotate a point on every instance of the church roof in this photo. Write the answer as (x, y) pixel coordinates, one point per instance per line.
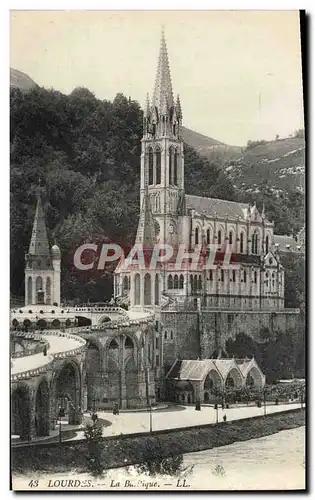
(39, 242)
(213, 206)
(163, 84)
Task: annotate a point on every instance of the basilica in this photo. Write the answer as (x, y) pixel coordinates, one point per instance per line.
(169, 340)
(171, 216)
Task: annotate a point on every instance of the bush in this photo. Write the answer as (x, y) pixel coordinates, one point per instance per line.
(93, 434)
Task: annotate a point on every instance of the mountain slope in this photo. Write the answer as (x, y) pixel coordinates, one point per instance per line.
(280, 164)
(20, 80)
(210, 148)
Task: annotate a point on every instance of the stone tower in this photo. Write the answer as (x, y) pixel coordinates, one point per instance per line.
(162, 158)
(42, 269)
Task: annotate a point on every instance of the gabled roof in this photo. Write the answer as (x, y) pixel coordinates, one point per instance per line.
(213, 206)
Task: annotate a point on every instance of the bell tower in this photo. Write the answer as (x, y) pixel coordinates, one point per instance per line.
(162, 155)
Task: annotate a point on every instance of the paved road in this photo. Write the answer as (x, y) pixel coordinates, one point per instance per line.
(129, 423)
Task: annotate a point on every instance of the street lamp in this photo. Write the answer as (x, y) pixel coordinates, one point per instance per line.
(150, 412)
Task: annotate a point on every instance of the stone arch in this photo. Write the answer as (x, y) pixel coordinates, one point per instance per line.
(29, 290)
(42, 408)
(171, 165)
(137, 289)
(67, 390)
(176, 283)
(147, 290)
(255, 378)
(156, 290)
(93, 364)
(181, 281)
(125, 284)
(39, 283)
(170, 282)
(131, 375)
(242, 247)
(104, 319)
(208, 236)
(83, 321)
(197, 235)
(56, 323)
(41, 323)
(213, 380)
(175, 166)
(21, 412)
(158, 165)
(48, 290)
(150, 165)
(113, 383)
(233, 379)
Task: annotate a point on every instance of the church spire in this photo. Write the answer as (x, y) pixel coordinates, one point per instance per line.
(39, 242)
(163, 84)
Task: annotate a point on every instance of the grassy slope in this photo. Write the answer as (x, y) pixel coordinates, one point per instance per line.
(279, 163)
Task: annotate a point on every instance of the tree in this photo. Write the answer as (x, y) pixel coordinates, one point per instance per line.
(93, 434)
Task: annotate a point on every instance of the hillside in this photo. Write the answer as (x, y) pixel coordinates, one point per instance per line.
(21, 80)
(279, 163)
(210, 148)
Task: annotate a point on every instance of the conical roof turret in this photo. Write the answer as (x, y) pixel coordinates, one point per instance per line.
(39, 241)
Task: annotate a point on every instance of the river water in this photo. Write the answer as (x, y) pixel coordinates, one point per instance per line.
(272, 462)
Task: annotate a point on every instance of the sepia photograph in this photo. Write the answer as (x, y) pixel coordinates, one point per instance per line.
(157, 250)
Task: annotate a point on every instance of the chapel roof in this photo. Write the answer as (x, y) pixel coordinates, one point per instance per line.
(213, 206)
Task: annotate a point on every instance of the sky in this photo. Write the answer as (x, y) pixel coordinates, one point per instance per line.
(238, 73)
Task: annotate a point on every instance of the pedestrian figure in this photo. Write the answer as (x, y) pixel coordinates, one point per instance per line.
(224, 418)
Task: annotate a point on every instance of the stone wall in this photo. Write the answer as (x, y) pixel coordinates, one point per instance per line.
(200, 334)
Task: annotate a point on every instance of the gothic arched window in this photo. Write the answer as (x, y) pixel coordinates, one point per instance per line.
(48, 290)
(137, 289)
(158, 165)
(255, 276)
(170, 282)
(196, 236)
(242, 243)
(181, 281)
(210, 275)
(171, 163)
(195, 283)
(175, 282)
(233, 276)
(147, 290)
(253, 243)
(256, 244)
(230, 238)
(208, 236)
(245, 277)
(175, 167)
(219, 237)
(157, 290)
(222, 275)
(267, 244)
(150, 166)
(199, 283)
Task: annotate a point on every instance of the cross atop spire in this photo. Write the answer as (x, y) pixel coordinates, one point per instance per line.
(39, 242)
(163, 84)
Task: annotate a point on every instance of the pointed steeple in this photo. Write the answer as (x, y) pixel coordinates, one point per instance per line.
(39, 242)
(147, 107)
(163, 83)
(146, 230)
(178, 108)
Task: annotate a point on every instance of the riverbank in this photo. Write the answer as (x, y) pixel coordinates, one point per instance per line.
(131, 449)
